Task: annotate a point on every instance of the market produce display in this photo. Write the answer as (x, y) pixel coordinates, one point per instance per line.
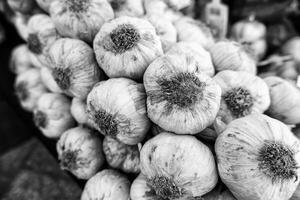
(147, 102)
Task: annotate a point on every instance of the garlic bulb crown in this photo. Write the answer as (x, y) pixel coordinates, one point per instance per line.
(132, 8)
(80, 19)
(230, 55)
(80, 152)
(170, 171)
(258, 158)
(180, 99)
(125, 46)
(117, 108)
(52, 114)
(73, 67)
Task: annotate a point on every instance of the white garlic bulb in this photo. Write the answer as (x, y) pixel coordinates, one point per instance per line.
(107, 185)
(201, 56)
(242, 94)
(29, 87)
(80, 19)
(49, 81)
(285, 100)
(41, 35)
(117, 107)
(195, 31)
(133, 8)
(125, 46)
(230, 55)
(164, 29)
(19, 60)
(80, 152)
(52, 115)
(258, 158)
(180, 98)
(73, 67)
(78, 110)
(20, 22)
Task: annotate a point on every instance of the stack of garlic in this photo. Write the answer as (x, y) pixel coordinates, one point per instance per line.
(145, 104)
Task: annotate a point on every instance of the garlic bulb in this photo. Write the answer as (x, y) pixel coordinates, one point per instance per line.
(44, 4)
(80, 152)
(20, 21)
(52, 115)
(73, 67)
(78, 110)
(230, 55)
(258, 158)
(292, 47)
(29, 88)
(133, 8)
(41, 35)
(180, 98)
(285, 100)
(164, 29)
(49, 81)
(219, 193)
(125, 47)
(19, 60)
(174, 167)
(117, 107)
(252, 33)
(202, 57)
(80, 19)
(242, 94)
(107, 185)
(22, 6)
(168, 8)
(121, 156)
(195, 31)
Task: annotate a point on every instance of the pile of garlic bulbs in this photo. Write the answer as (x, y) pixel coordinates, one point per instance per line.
(136, 88)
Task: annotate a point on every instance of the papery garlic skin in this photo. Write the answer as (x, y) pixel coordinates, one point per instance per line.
(29, 87)
(22, 6)
(125, 46)
(117, 107)
(41, 35)
(80, 152)
(258, 158)
(164, 29)
(80, 19)
(292, 47)
(121, 156)
(195, 31)
(44, 4)
(179, 166)
(78, 110)
(285, 100)
(180, 99)
(296, 194)
(107, 185)
(202, 57)
(133, 8)
(49, 81)
(52, 115)
(20, 21)
(242, 94)
(19, 60)
(229, 55)
(73, 67)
